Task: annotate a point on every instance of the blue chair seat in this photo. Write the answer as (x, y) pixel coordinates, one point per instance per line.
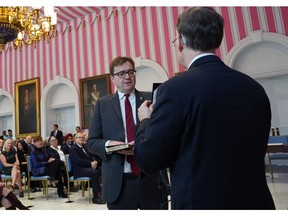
(39, 178)
(83, 180)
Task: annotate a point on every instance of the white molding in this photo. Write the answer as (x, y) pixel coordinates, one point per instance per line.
(11, 100)
(58, 80)
(254, 38)
(58, 106)
(140, 62)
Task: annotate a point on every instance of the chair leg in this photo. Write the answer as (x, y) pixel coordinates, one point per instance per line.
(28, 189)
(68, 190)
(83, 188)
(89, 193)
(46, 186)
(270, 166)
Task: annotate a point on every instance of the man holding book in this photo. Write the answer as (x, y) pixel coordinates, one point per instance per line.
(114, 121)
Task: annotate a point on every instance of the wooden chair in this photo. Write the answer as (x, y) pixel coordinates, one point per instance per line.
(44, 179)
(82, 180)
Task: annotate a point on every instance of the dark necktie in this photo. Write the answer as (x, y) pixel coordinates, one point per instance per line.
(130, 133)
(83, 150)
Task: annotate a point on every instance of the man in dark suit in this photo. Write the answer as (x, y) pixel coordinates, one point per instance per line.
(58, 134)
(85, 165)
(68, 144)
(210, 125)
(122, 189)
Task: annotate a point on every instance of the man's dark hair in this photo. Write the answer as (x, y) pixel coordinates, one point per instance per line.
(201, 28)
(120, 60)
(55, 125)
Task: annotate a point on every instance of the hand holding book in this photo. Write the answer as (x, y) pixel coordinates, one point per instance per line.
(118, 147)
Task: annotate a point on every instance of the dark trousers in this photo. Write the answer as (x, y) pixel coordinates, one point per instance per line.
(95, 178)
(138, 193)
(56, 171)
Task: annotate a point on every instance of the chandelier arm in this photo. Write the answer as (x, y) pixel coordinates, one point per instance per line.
(19, 21)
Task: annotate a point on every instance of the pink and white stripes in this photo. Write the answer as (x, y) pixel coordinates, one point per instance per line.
(85, 47)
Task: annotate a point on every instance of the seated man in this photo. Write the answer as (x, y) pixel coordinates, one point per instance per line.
(68, 144)
(85, 165)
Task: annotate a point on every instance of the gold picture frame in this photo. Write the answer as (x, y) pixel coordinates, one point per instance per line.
(88, 98)
(177, 73)
(27, 108)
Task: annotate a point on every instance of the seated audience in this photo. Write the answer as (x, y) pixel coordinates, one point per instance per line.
(45, 164)
(85, 165)
(11, 165)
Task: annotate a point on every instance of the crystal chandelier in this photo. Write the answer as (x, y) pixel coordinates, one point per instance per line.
(24, 25)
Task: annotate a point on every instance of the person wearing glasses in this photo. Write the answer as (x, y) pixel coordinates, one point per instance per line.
(85, 164)
(210, 125)
(122, 188)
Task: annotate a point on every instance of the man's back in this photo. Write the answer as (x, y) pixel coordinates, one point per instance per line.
(220, 132)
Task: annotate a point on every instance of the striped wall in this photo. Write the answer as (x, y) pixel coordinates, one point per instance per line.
(84, 47)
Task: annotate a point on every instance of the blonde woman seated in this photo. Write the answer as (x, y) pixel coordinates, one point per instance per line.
(11, 165)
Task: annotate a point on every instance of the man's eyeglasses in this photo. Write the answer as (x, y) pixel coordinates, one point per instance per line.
(81, 137)
(173, 42)
(122, 74)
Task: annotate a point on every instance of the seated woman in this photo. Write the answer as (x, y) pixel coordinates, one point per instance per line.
(55, 152)
(21, 154)
(11, 165)
(9, 200)
(43, 164)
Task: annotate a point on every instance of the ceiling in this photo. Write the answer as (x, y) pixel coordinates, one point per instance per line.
(66, 14)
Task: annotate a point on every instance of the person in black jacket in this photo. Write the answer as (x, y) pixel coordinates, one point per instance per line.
(85, 165)
(21, 153)
(45, 164)
(58, 134)
(68, 143)
(210, 125)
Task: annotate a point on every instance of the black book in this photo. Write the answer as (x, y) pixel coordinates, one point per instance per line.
(118, 147)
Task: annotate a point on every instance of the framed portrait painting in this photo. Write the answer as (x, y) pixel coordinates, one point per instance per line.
(91, 89)
(27, 108)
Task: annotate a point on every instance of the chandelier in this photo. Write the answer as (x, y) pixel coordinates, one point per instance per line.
(24, 25)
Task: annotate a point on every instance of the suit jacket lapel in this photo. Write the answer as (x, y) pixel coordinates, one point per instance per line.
(116, 106)
(139, 100)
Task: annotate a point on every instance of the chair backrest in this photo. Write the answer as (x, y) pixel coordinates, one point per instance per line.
(29, 163)
(278, 139)
(68, 163)
(1, 167)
